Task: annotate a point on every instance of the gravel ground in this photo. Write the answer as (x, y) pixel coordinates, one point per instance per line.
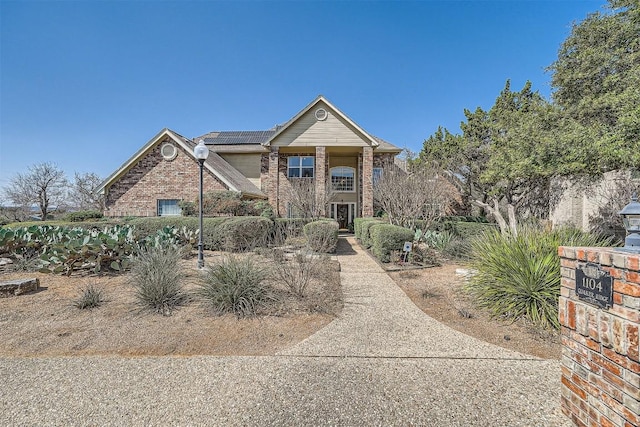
(278, 391)
(381, 363)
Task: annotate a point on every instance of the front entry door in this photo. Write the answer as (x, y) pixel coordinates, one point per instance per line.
(343, 213)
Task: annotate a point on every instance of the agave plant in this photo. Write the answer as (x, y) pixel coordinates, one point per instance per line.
(434, 239)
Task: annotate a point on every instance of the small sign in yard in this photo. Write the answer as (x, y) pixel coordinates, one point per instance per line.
(594, 285)
(406, 249)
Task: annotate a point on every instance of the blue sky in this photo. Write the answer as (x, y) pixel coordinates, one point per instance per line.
(85, 84)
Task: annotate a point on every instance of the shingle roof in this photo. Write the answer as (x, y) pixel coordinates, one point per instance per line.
(386, 145)
(229, 173)
(242, 137)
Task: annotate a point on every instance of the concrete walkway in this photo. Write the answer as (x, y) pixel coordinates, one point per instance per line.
(381, 363)
(379, 320)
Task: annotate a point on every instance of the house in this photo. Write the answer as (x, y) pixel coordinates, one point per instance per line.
(320, 144)
(594, 206)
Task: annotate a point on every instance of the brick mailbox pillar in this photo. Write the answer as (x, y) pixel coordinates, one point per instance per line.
(599, 315)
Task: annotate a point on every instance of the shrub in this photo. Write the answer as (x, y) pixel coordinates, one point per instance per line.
(457, 248)
(322, 236)
(365, 226)
(387, 238)
(228, 203)
(263, 208)
(288, 228)
(91, 296)
(423, 255)
(148, 226)
(212, 236)
(235, 286)
(83, 216)
(239, 234)
(357, 227)
(519, 277)
(158, 280)
(188, 208)
(296, 272)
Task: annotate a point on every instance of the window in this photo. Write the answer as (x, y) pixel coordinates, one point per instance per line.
(293, 212)
(169, 208)
(168, 151)
(342, 178)
(300, 167)
(377, 175)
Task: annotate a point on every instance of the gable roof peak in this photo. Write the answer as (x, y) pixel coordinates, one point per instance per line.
(280, 129)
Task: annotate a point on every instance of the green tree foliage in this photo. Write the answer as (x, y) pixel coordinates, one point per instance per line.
(523, 154)
(596, 82)
(463, 157)
(506, 156)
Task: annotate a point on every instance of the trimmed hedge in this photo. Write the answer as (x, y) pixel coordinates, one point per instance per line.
(357, 227)
(83, 216)
(365, 230)
(244, 233)
(465, 230)
(387, 238)
(147, 226)
(106, 222)
(219, 233)
(322, 235)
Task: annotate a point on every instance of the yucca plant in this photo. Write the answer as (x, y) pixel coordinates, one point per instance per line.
(158, 279)
(519, 276)
(235, 285)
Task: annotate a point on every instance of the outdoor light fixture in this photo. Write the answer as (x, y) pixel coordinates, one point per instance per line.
(631, 218)
(201, 152)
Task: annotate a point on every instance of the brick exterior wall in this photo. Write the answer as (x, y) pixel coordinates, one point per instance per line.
(272, 183)
(600, 355)
(152, 178)
(383, 160)
(321, 177)
(367, 181)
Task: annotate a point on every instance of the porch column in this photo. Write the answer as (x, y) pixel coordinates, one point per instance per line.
(272, 192)
(367, 182)
(321, 181)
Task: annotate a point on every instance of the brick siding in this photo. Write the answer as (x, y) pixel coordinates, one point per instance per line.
(600, 355)
(367, 182)
(152, 178)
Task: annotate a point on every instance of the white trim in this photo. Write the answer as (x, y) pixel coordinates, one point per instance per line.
(158, 213)
(300, 167)
(353, 182)
(321, 114)
(173, 154)
(351, 211)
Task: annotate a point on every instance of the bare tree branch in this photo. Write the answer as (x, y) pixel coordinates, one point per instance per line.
(301, 193)
(422, 194)
(83, 195)
(44, 185)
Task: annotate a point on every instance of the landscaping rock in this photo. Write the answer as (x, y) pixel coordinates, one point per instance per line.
(466, 273)
(18, 286)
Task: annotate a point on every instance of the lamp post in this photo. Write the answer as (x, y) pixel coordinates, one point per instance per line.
(201, 152)
(631, 218)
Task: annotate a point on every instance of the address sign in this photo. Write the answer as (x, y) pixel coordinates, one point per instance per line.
(594, 285)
